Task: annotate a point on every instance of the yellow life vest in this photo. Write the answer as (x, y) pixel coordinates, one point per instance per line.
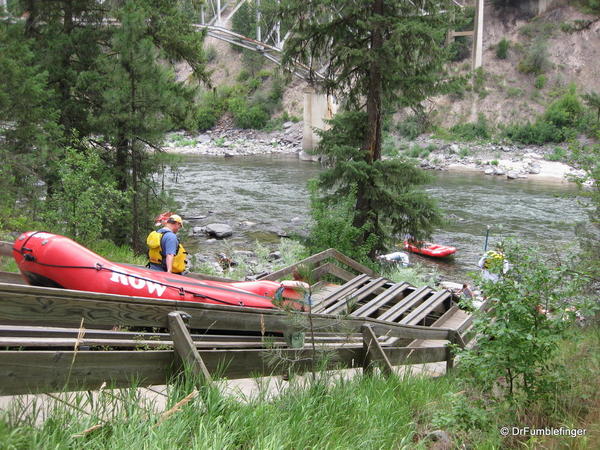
(156, 256)
(493, 259)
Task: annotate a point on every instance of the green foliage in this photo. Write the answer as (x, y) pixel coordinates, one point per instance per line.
(514, 92)
(558, 154)
(536, 59)
(560, 122)
(390, 188)
(516, 352)
(502, 49)
(88, 201)
(413, 126)
(537, 133)
(332, 227)
(592, 99)
(473, 131)
(540, 81)
(246, 116)
(566, 111)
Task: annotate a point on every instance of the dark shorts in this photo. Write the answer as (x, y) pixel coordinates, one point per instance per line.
(157, 267)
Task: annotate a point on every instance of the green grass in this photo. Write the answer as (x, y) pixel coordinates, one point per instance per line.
(365, 412)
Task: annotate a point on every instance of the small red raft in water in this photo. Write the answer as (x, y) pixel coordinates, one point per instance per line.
(429, 249)
(50, 260)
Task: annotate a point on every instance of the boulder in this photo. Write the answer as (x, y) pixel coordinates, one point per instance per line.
(499, 171)
(203, 138)
(512, 175)
(218, 230)
(288, 125)
(489, 171)
(198, 230)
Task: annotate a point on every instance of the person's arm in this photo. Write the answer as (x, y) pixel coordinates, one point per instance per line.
(169, 261)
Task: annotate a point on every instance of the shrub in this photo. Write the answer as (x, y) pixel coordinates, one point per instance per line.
(206, 118)
(536, 60)
(246, 116)
(502, 49)
(540, 81)
(413, 126)
(538, 133)
(566, 111)
(558, 154)
(472, 131)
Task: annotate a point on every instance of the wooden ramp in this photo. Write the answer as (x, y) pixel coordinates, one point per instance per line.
(58, 339)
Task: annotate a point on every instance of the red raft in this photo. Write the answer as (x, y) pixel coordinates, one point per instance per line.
(429, 249)
(50, 260)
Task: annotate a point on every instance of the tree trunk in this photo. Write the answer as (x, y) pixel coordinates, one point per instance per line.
(373, 142)
(372, 146)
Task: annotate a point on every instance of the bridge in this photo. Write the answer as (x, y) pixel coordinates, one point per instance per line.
(216, 15)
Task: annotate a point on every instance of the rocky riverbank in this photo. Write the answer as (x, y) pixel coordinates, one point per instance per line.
(503, 160)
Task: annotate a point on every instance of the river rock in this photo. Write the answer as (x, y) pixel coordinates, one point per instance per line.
(534, 170)
(489, 171)
(203, 138)
(219, 230)
(287, 125)
(512, 175)
(499, 171)
(454, 148)
(274, 255)
(198, 230)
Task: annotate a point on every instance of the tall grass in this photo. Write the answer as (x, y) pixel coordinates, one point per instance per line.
(363, 412)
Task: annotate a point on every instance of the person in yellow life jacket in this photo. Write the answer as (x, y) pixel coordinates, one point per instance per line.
(493, 265)
(165, 252)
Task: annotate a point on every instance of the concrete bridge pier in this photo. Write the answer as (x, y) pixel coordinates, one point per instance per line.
(317, 109)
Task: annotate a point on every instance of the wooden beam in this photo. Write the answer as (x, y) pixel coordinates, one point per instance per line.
(31, 372)
(289, 269)
(184, 346)
(352, 263)
(373, 353)
(382, 299)
(27, 305)
(12, 277)
(356, 296)
(6, 248)
(405, 304)
(342, 292)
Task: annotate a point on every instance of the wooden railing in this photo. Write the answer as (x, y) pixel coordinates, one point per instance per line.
(58, 339)
(52, 359)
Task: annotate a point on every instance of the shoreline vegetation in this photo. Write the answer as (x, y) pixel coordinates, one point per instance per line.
(327, 411)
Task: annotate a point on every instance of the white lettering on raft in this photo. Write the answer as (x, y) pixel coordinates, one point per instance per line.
(138, 283)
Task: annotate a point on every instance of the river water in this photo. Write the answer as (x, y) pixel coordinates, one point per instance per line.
(270, 192)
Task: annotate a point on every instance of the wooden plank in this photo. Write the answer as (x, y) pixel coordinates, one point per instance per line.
(100, 310)
(421, 311)
(356, 296)
(405, 304)
(342, 274)
(6, 248)
(462, 33)
(343, 291)
(352, 263)
(11, 277)
(289, 269)
(184, 346)
(373, 353)
(55, 371)
(383, 298)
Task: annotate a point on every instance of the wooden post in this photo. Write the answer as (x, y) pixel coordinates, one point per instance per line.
(456, 339)
(478, 36)
(373, 352)
(184, 345)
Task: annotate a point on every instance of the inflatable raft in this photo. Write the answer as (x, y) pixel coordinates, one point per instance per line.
(429, 249)
(50, 260)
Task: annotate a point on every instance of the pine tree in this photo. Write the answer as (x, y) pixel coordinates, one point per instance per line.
(376, 54)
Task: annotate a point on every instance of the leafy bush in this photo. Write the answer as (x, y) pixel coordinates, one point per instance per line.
(540, 81)
(413, 126)
(536, 59)
(246, 116)
(566, 111)
(538, 133)
(558, 154)
(472, 131)
(206, 118)
(502, 49)
(521, 331)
